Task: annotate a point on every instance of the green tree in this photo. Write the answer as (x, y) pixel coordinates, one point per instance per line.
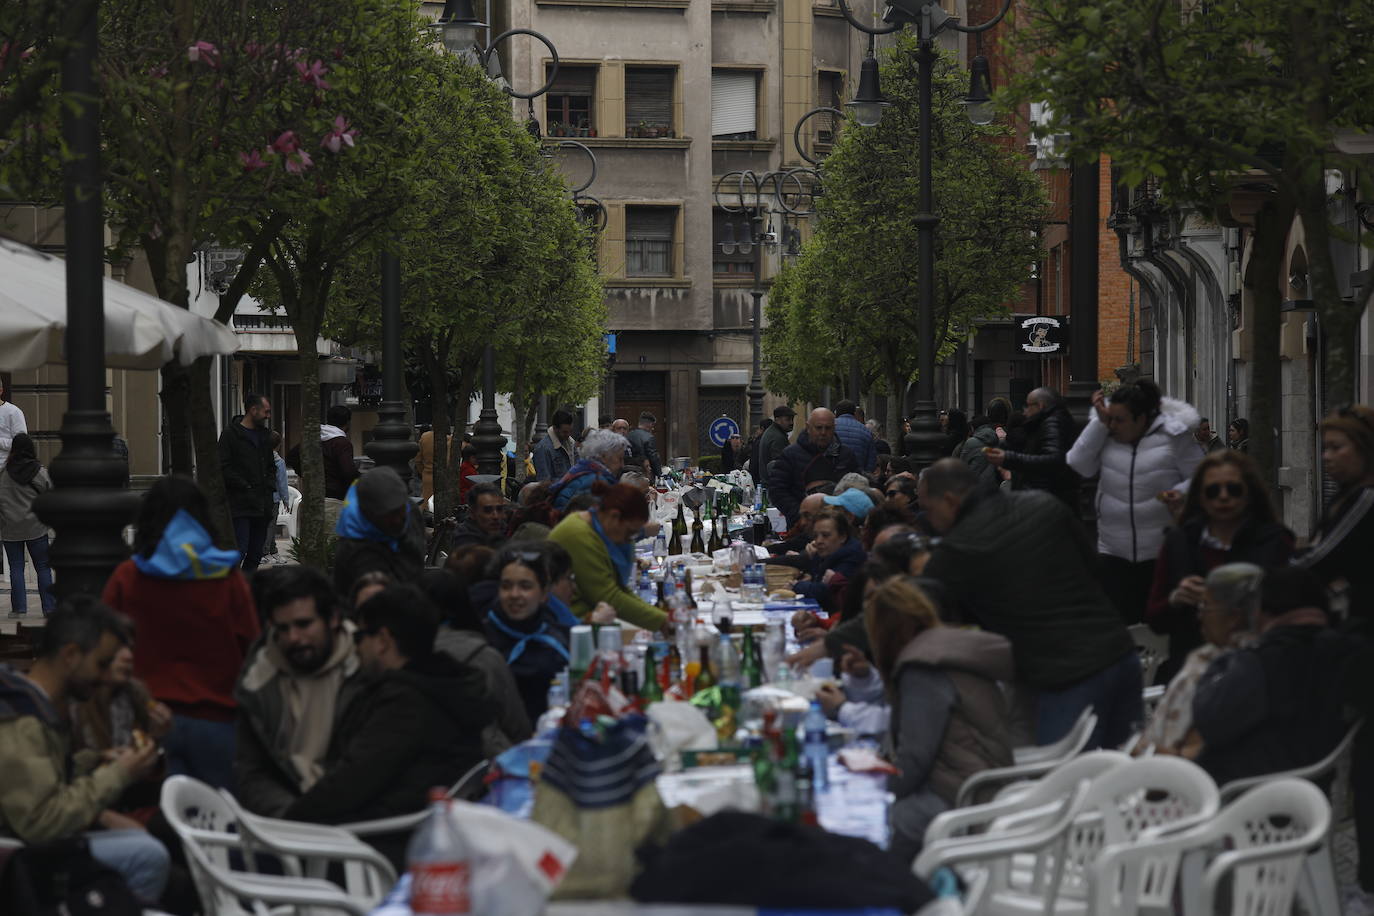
(853, 293)
(1204, 97)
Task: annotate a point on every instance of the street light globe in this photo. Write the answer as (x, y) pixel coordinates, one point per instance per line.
(979, 112)
(978, 102)
(868, 114)
(868, 103)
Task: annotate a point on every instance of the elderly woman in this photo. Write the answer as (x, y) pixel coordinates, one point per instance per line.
(1227, 518)
(603, 458)
(600, 541)
(1231, 597)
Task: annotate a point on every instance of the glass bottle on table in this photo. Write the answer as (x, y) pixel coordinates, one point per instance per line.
(675, 543)
(705, 677)
(680, 523)
(715, 542)
(750, 673)
(698, 544)
(650, 690)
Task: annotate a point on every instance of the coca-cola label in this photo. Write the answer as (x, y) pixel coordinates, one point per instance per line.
(440, 889)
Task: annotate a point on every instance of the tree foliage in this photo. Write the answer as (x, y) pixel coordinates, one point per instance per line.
(1203, 97)
(853, 292)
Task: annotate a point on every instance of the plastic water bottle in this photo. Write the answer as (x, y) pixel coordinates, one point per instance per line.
(774, 649)
(753, 583)
(439, 863)
(660, 548)
(814, 746)
(647, 592)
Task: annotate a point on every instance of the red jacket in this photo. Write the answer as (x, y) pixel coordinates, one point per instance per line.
(192, 639)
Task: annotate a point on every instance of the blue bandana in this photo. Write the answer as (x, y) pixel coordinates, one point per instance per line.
(354, 525)
(522, 640)
(187, 552)
(622, 555)
(561, 612)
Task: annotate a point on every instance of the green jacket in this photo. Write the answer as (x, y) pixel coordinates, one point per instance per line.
(45, 795)
(596, 576)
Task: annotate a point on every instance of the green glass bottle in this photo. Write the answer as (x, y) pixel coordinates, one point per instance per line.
(680, 523)
(715, 542)
(650, 691)
(698, 542)
(706, 677)
(675, 543)
(750, 670)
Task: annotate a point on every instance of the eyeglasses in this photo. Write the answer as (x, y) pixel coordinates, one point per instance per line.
(1233, 489)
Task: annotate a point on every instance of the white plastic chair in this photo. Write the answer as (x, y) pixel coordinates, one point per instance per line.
(1261, 841)
(402, 822)
(1152, 648)
(1024, 872)
(289, 516)
(1318, 886)
(209, 830)
(309, 849)
(1031, 762)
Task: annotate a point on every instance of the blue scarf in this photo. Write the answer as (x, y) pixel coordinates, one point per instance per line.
(622, 555)
(522, 640)
(561, 612)
(187, 552)
(354, 525)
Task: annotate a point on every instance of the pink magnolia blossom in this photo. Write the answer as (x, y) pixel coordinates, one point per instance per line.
(287, 142)
(159, 72)
(298, 162)
(205, 52)
(252, 49)
(314, 73)
(342, 135)
(252, 161)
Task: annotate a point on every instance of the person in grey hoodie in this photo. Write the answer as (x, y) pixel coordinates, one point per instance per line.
(950, 716)
(22, 480)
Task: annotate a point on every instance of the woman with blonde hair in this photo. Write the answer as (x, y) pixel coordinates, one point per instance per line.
(950, 717)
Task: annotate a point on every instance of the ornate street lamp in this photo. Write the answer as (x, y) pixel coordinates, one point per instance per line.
(752, 192)
(392, 445)
(929, 19)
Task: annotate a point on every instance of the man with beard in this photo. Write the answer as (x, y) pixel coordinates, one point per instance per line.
(46, 794)
(250, 476)
(416, 722)
(295, 686)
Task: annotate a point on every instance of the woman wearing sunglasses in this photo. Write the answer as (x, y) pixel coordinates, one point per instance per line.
(1226, 518)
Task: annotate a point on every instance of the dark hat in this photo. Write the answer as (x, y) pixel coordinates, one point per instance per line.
(380, 492)
(782, 410)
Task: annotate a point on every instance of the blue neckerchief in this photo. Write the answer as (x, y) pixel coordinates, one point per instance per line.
(622, 555)
(353, 524)
(524, 639)
(561, 612)
(187, 552)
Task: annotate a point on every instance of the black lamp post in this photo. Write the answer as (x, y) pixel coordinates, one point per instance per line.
(458, 26)
(392, 445)
(923, 442)
(88, 507)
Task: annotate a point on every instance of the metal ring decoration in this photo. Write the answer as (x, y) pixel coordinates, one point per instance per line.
(758, 181)
(844, 8)
(796, 131)
(804, 192)
(970, 29)
(553, 75)
(587, 200)
(715, 194)
(573, 144)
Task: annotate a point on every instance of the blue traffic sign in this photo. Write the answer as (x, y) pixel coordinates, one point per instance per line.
(722, 429)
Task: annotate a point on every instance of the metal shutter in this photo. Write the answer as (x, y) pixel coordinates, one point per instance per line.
(649, 97)
(733, 102)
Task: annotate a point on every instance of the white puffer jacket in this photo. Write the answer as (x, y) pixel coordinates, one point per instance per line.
(1130, 517)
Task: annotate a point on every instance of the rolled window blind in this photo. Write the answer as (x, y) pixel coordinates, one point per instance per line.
(734, 108)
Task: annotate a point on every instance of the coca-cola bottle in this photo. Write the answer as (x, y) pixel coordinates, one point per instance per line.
(439, 863)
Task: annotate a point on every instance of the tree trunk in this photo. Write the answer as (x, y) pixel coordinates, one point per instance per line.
(1339, 320)
(176, 407)
(527, 428)
(443, 486)
(313, 536)
(1272, 223)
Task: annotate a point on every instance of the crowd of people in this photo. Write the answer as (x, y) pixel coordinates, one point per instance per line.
(966, 611)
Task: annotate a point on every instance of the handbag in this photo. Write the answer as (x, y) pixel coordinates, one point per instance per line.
(596, 790)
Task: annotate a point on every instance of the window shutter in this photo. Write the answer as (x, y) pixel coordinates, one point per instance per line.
(651, 223)
(579, 81)
(733, 102)
(649, 97)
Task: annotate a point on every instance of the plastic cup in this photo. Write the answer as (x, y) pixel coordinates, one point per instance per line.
(581, 647)
(609, 638)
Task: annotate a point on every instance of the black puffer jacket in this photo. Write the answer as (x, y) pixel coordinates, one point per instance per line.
(406, 731)
(1020, 564)
(801, 463)
(250, 473)
(1042, 465)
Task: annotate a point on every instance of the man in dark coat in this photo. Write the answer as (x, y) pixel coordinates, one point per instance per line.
(1042, 466)
(815, 458)
(378, 530)
(250, 477)
(644, 447)
(774, 440)
(1020, 564)
(416, 723)
(486, 521)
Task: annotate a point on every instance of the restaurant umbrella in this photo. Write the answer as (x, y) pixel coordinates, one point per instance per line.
(141, 331)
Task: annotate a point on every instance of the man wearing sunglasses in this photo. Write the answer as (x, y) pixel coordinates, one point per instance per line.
(486, 521)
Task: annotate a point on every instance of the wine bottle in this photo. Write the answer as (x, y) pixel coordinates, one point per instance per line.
(750, 671)
(715, 543)
(650, 691)
(680, 523)
(675, 543)
(706, 677)
(698, 544)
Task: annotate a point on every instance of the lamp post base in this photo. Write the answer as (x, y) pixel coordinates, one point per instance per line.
(487, 439)
(923, 443)
(392, 445)
(88, 506)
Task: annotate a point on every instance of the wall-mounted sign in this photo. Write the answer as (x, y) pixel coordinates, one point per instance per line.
(1042, 334)
(722, 429)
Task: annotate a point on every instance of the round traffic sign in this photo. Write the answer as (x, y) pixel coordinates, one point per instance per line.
(722, 429)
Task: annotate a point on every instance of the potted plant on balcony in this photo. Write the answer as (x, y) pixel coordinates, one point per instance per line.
(643, 129)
